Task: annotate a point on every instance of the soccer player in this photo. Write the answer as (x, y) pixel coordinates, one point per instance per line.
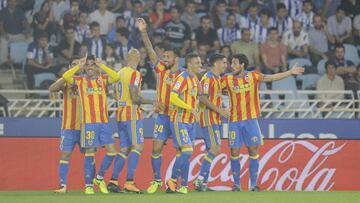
(96, 129)
(70, 127)
(130, 125)
(184, 96)
(210, 116)
(166, 71)
(243, 89)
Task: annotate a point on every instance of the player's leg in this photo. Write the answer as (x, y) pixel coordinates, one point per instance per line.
(136, 131)
(183, 142)
(235, 143)
(89, 141)
(212, 137)
(253, 139)
(120, 158)
(88, 170)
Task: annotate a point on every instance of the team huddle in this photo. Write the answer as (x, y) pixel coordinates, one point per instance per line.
(182, 101)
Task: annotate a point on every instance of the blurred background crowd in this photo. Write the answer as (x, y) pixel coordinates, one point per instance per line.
(42, 36)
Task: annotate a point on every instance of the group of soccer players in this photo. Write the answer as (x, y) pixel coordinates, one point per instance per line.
(182, 101)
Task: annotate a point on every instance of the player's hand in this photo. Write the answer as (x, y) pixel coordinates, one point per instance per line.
(158, 106)
(141, 24)
(295, 70)
(196, 114)
(98, 61)
(224, 113)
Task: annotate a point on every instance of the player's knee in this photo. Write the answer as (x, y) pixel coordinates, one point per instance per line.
(215, 150)
(65, 155)
(157, 147)
(90, 150)
(125, 150)
(235, 152)
(111, 148)
(138, 147)
(253, 151)
(187, 149)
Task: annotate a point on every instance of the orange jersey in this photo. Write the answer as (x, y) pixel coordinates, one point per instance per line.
(71, 108)
(93, 98)
(127, 110)
(211, 87)
(186, 86)
(164, 82)
(244, 95)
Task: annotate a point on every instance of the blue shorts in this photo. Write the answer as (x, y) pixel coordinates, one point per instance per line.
(130, 133)
(162, 129)
(69, 139)
(96, 134)
(184, 133)
(247, 132)
(212, 135)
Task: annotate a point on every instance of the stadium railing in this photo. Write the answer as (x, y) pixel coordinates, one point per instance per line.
(304, 104)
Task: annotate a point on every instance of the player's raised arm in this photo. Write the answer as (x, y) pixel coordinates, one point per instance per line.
(295, 70)
(147, 43)
(68, 75)
(113, 75)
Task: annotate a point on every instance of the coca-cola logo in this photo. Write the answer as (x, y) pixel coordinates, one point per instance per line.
(289, 165)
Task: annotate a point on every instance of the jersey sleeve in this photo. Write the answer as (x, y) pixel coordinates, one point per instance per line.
(258, 76)
(205, 86)
(159, 67)
(179, 84)
(135, 80)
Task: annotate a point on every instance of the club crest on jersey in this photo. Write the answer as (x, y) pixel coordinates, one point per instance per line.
(247, 78)
(206, 87)
(254, 139)
(177, 85)
(137, 81)
(99, 82)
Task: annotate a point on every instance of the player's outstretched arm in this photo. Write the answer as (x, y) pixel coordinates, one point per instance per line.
(295, 70)
(113, 75)
(137, 98)
(147, 43)
(57, 85)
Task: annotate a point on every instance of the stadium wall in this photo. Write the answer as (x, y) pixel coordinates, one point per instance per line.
(30, 162)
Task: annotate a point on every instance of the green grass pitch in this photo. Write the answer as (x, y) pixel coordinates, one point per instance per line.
(160, 197)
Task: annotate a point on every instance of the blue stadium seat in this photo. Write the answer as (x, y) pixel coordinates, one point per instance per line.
(288, 83)
(321, 67)
(351, 53)
(308, 81)
(300, 61)
(18, 52)
(41, 77)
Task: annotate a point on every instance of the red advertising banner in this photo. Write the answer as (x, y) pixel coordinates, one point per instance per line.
(300, 165)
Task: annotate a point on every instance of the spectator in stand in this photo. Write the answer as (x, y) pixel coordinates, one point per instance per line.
(189, 16)
(205, 34)
(82, 29)
(260, 31)
(294, 7)
(88, 6)
(307, 15)
(177, 32)
(326, 8)
(203, 50)
(252, 18)
(339, 26)
(247, 47)
(357, 30)
(104, 17)
(71, 17)
(13, 28)
(158, 17)
(345, 68)
(43, 21)
(58, 8)
(330, 81)
(40, 59)
(297, 41)
(219, 14)
(119, 23)
(3, 4)
(226, 51)
(131, 15)
(68, 47)
(96, 44)
(318, 38)
(351, 7)
(273, 54)
(282, 21)
(110, 58)
(146, 71)
(230, 32)
(122, 44)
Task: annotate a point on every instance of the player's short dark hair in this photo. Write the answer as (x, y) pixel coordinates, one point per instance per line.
(205, 17)
(328, 63)
(94, 24)
(91, 57)
(266, 12)
(170, 49)
(190, 56)
(280, 6)
(160, 45)
(215, 58)
(123, 32)
(307, 2)
(242, 59)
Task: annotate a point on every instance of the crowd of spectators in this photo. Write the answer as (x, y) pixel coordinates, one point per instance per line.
(268, 32)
